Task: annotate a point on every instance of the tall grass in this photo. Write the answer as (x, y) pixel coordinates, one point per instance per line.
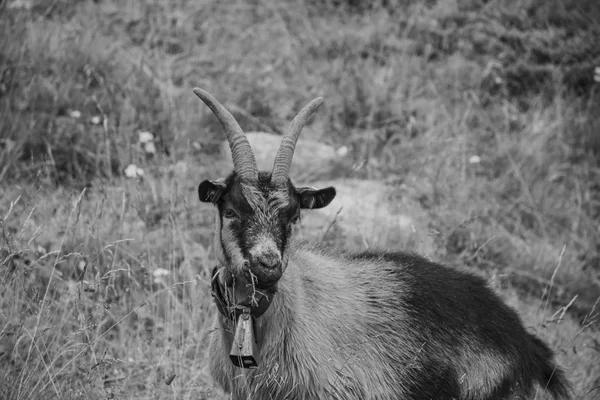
(483, 114)
(111, 301)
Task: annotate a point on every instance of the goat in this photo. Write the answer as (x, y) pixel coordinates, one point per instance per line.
(314, 323)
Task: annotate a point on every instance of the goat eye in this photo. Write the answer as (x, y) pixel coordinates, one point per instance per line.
(229, 213)
(294, 219)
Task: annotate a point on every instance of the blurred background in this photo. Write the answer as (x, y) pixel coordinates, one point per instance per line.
(465, 130)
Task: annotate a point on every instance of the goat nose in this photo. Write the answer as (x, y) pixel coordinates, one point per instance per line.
(270, 261)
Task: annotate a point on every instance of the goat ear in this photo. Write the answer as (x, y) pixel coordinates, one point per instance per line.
(210, 191)
(312, 198)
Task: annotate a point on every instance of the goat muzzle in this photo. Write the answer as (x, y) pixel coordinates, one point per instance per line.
(265, 276)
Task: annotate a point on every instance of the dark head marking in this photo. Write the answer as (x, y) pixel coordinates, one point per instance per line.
(257, 210)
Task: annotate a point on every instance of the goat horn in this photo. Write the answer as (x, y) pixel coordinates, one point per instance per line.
(241, 152)
(283, 159)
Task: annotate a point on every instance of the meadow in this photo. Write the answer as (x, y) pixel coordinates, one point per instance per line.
(484, 113)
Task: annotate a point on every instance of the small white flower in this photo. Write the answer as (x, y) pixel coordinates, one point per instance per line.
(158, 272)
(75, 114)
(149, 148)
(145, 137)
(24, 4)
(132, 171)
(474, 159)
(196, 145)
(96, 120)
(342, 151)
(597, 74)
(498, 80)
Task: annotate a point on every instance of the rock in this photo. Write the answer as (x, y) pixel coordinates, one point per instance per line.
(369, 214)
(310, 157)
(364, 213)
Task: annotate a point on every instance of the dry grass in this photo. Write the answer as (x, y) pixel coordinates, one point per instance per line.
(103, 279)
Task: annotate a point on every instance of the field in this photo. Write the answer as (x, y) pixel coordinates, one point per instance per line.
(480, 116)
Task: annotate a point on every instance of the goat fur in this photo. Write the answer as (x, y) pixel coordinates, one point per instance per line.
(381, 325)
(373, 325)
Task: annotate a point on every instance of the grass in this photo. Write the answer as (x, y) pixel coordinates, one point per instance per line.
(104, 279)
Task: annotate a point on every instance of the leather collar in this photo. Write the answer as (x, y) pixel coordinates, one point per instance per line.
(256, 305)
